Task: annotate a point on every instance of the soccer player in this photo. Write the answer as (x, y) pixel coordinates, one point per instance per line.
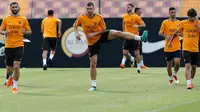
(167, 29)
(139, 12)
(95, 30)
(190, 28)
(14, 27)
(131, 23)
(50, 34)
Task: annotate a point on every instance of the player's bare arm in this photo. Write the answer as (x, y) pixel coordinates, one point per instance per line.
(78, 36)
(90, 35)
(172, 38)
(59, 28)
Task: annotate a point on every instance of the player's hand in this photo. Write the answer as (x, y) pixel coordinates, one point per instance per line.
(90, 35)
(6, 32)
(167, 37)
(59, 34)
(78, 36)
(135, 26)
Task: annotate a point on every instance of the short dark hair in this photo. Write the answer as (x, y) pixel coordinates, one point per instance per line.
(172, 8)
(192, 12)
(50, 12)
(130, 4)
(137, 9)
(14, 3)
(90, 4)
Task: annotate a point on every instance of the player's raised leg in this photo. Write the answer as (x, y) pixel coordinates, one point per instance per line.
(129, 36)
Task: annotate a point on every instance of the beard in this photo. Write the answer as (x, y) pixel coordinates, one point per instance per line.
(15, 12)
(128, 11)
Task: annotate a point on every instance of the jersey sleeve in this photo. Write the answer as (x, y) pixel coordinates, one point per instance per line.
(26, 25)
(180, 27)
(102, 24)
(139, 20)
(162, 28)
(78, 22)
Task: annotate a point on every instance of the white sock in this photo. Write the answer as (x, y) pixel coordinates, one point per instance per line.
(170, 78)
(51, 56)
(15, 84)
(137, 37)
(138, 66)
(175, 73)
(132, 59)
(123, 60)
(142, 63)
(44, 62)
(94, 83)
(188, 82)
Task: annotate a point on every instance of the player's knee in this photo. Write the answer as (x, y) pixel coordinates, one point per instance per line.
(193, 67)
(187, 66)
(93, 64)
(9, 70)
(116, 33)
(16, 66)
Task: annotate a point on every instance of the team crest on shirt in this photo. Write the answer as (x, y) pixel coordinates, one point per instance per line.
(20, 21)
(73, 47)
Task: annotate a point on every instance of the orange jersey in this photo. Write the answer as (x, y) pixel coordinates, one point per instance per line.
(49, 27)
(190, 35)
(91, 25)
(129, 21)
(168, 28)
(15, 26)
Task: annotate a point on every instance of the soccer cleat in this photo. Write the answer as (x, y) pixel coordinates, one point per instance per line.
(93, 88)
(50, 62)
(192, 85)
(144, 67)
(14, 90)
(138, 71)
(176, 79)
(9, 82)
(45, 67)
(144, 36)
(122, 66)
(5, 83)
(170, 82)
(189, 86)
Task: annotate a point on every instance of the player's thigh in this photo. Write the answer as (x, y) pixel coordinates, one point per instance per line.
(194, 58)
(126, 46)
(187, 57)
(53, 43)
(177, 56)
(19, 52)
(113, 34)
(168, 56)
(94, 49)
(9, 56)
(45, 44)
(136, 47)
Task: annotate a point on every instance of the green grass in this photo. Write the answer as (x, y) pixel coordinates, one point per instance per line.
(66, 90)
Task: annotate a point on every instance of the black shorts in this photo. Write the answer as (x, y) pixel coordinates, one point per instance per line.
(140, 48)
(95, 48)
(190, 57)
(49, 43)
(13, 54)
(171, 55)
(131, 45)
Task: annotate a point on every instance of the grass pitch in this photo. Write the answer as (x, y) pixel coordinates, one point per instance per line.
(66, 90)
